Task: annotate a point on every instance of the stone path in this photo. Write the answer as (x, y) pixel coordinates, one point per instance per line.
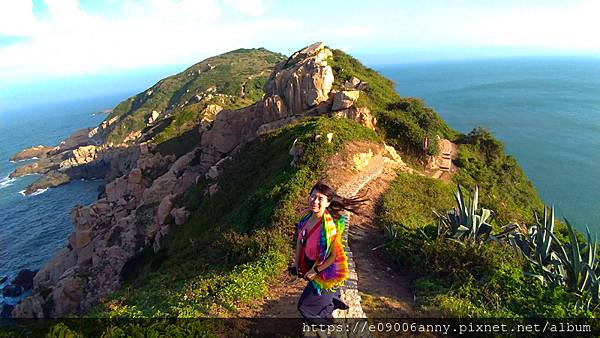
(349, 292)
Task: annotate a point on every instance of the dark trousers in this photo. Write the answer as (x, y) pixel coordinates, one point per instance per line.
(315, 308)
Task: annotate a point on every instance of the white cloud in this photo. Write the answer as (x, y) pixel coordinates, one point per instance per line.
(16, 18)
(247, 7)
(140, 33)
(148, 33)
(572, 26)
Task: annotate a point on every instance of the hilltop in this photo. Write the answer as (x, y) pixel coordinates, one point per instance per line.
(208, 170)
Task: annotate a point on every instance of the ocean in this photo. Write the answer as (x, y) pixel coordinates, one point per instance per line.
(33, 228)
(546, 111)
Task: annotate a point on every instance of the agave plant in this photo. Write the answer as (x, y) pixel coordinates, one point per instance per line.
(579, 265)
(463, 222)
(536, 247)
(574, 265)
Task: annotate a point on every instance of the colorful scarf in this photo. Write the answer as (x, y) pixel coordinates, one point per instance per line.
(331, 239)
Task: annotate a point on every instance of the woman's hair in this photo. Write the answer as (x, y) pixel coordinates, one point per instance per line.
(338, 203)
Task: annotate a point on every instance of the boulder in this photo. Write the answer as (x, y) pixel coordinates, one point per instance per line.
(116, 189)
(70, 292)
(134, 176)
(187, 179)
(134, 135)
(392, 154)
(82, 238)
(153, 117)
(161, 187)
(24, 279)
(303, 81)
(164, 208)
(213, 173)
(183, 162)
(344, 99)
(361, 115)
(180, 215)
(84, 255)
(51, 272)
(30, 307)
(352, 82)
(274, 108)
(268, 127)
(208, 114)
(12, 291)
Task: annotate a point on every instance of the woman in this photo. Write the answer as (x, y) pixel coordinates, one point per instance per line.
(320, 257)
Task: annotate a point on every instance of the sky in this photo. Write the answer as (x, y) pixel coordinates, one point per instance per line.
(42, 41)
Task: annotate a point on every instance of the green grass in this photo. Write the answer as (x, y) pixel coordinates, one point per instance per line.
(404, 122)
(462, 280)
(507, 190)
(410, 200)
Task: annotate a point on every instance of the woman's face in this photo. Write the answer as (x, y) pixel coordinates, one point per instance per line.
(318, 202)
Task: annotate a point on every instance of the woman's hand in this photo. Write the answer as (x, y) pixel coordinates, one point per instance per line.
(311, 274)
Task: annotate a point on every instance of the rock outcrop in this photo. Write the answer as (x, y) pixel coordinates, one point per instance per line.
(139, 205)
(108, 233)
(35, 152)
(304, 80)
(81, 155)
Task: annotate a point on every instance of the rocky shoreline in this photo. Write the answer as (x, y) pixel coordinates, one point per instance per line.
(142, 199)
(15, 290)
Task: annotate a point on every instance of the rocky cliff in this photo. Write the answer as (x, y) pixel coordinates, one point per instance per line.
(143, 201)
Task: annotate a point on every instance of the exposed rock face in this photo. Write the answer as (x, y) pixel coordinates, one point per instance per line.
(36, 151)
(153, 117)
(304, 80)
(87, 162)
(50, 180)
(80, 156)
(110, 232)
(344, 99)
(361, 115)
(139, 204)
(297, 87)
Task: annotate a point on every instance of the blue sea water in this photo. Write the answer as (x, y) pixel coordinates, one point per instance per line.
(33, 227)
(546, 110)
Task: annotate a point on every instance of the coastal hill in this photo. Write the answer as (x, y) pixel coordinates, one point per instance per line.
(172, 107)
(207, 172)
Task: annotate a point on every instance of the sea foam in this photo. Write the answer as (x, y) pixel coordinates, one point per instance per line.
(6, 182)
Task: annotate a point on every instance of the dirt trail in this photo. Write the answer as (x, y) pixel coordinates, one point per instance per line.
(383, 291)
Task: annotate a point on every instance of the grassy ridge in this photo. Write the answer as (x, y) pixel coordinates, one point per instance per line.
(238, 239)
(225, 75)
